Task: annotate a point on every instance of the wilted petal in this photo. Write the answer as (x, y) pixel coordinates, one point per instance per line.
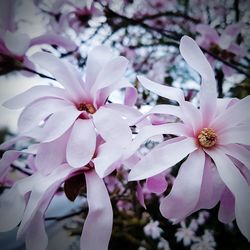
(112, 127)
(185, 192)
(140, 195)
(157, 184)
(32, 94)
(81, 144)
(226, 211)
(98, 224)
(161, 159)
(171, 93)
(237, 184)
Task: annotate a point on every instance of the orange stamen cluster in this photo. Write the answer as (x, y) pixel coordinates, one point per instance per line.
(207, 138)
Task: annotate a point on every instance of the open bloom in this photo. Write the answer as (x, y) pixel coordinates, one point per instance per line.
(66, 121)
(215, 140)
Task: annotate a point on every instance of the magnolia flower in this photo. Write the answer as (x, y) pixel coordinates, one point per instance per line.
(15, 45)
(218, 131)
(72, 117)
(223, 45)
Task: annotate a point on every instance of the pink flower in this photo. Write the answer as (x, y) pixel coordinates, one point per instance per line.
(73, 116)
(14, 45)
(218, 131)
(223, 45)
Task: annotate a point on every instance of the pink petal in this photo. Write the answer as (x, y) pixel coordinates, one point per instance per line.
(208, 32)
(64, 73)
(157, 184)
(34, 93)
(238, 134)
(35, 236)
(98, 224)
(163, 109)
(51, 154)
(56, 125)
(37, 111)
(185, 192)
(171, 93)
(42, 191)
(107, 159)
(238, 152)
(12, 202)
(16, 43)
(235, 114)
(149, 131)
(112, 127)
(54, 39)
(211, 188)
(81, 144)
(196, 59)
(226, 211)
(7, 15)
(97, 58)
(238, 185)
(111, 73)
(6, 160)
(161, 159)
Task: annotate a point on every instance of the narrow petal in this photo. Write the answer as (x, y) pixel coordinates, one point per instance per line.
(8, 157)
(238, 185)
(42, 191)
(149, 131)
(81, 144)
(97, 58)
(64, 73)
(238, 134)
(98, 224)
(157, 184)
(34, 93)
(39, 110)
(112, 72)
(161, 159)
(188, 181)
(140, 195)
(226, 211)
(239, 152)
(112, 127)
(54, 39)
(235, 114)
(107, 159)
(171, 93)
(212, 187)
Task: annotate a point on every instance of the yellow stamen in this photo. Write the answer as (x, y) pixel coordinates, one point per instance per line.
(207, 138)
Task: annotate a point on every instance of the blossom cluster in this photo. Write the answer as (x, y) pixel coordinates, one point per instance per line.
(76, 132)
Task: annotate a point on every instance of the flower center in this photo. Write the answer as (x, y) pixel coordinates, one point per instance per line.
(207, 138)
(88, 107)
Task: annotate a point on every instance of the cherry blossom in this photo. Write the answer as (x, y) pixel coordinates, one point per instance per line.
(217, 131)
